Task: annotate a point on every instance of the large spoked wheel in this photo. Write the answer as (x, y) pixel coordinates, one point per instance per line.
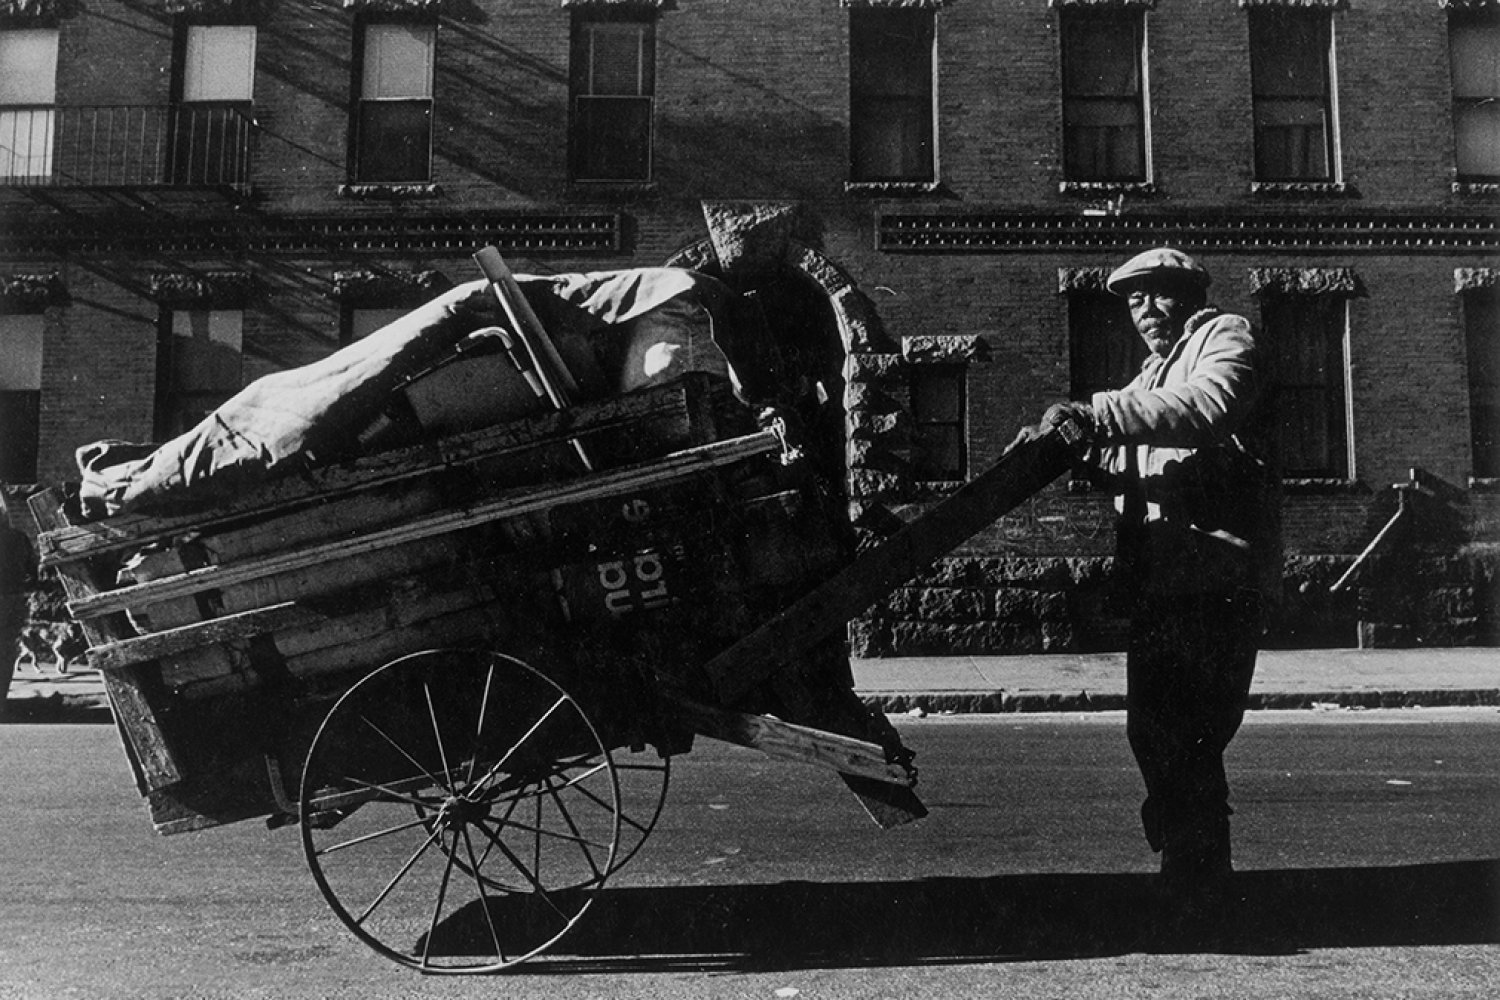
(459, 811)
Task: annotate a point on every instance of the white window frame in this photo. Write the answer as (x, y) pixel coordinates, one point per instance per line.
(28, 92)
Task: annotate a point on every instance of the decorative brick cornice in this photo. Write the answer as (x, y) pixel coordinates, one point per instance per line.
(912, 4)
(31, 293)
(1081, 279)
(323, 236)
(646, 4)
(962, 348)
(35, 13)
(946, 231)
(1298, 4)
(1470, 279)
(365, 286)
(1336, 281)
(240, 9)
(1086, 4)
(423, 7)
(205, 289)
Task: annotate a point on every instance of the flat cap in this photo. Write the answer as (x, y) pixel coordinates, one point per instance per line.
(1163, 261)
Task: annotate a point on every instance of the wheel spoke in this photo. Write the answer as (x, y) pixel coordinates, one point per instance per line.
(437, 733)
(431, 839)
(484, 899)
(520, 866)
(402, 751)
(495, 767)
(578, 837)
(437, 909)
(590, 796)
(420, 820)
(484, 704)
(393, 794)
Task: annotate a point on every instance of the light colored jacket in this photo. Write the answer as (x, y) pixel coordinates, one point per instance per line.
(1199, 511)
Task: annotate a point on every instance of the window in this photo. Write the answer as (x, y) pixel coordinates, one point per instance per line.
(938, 405)
(198, 365)
(393, 125)
(613, 84)
(1291, 76)
(28, 91)
(1104, 116)
(210, 139)
(1475, 47)
(1309, 335)
(891, 134)
(1482, 329)
(1104, 350)
(20, 395)
(358, 322)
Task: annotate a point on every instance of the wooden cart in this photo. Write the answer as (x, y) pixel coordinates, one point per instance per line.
(464, 678)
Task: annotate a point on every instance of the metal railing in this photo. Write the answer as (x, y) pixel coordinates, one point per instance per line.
(131, 145)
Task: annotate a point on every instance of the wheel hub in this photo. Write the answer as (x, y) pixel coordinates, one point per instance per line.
(458, 812)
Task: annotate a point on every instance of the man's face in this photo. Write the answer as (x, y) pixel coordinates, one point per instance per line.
(1160, 311)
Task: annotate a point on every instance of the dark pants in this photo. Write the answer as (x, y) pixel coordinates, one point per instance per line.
(1188, 678)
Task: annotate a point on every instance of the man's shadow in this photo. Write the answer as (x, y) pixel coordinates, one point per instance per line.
(791, 925)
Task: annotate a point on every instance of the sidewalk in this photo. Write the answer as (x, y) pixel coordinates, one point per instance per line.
(1304, 679)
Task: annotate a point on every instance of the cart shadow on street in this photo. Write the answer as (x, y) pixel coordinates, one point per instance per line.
(798, 925)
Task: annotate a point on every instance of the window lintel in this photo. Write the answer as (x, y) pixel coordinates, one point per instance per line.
(1338, 282)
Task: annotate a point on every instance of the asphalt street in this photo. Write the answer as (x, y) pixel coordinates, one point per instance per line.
(1368, 853)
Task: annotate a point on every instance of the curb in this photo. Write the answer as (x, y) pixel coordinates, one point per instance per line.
(1000, 702)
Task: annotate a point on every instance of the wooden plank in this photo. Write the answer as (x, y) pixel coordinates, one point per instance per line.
(790, 742)
(62, 542)
(1018, 475)
(598, 486)
(123, 653)
(150, 753)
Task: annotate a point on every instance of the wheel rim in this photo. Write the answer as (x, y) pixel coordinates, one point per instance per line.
(517, 811)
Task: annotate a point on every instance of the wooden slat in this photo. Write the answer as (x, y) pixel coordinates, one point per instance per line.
(147, 747)
(64, 542)
(1018, 475)
(126, 652)
(790, 742)
(595, 487)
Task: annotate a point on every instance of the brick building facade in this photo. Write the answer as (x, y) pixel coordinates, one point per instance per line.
(927, 192)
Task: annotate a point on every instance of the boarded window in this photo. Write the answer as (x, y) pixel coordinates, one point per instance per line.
(393, 128)
(1290, 59)
(891, 132)
(1104, 133)
(1475, 47)
(613, 80)
(199, 365)
(1308, 336)
(28, 90)
(20, 396)
(939, 408)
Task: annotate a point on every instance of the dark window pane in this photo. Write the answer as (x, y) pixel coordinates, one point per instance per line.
(939, 411)
(1104, 137)
(1290, 84)
(20, 416)
(395, 140)
(890, 88)
(612, 138)
(1307, 338)
(1476, 126)
(1482, 333)
(1105, 352)
(891, 139)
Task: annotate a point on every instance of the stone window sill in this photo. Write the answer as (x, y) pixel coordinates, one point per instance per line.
(891, 188)
(1100, 189)
(1318, 486)
(389, 192)
(1303, 189)
(1477, 189)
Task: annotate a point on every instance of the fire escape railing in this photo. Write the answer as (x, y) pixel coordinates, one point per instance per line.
(128, 145)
